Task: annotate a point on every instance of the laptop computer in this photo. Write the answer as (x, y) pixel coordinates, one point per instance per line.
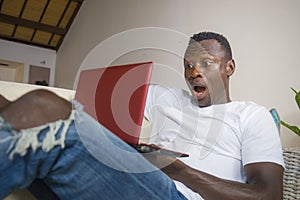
(116, 97)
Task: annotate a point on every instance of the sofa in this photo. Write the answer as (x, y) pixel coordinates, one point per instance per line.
(291, 156)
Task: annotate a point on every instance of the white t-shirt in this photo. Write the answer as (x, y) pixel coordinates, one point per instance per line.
(220, 139)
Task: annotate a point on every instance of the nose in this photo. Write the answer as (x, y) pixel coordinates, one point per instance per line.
(196, 73)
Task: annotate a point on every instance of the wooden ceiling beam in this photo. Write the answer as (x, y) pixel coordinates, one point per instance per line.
(20, 15)
(1, 3)
(41, 18)
(71, 20)
(60, 20)
(31, 24)
(79, 1)
(5, 37)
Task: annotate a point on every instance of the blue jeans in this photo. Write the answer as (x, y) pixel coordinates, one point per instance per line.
(78, 159)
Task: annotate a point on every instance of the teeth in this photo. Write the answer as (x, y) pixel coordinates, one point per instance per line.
(199, 89)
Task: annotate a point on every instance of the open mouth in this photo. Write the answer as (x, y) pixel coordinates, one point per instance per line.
(199, 92)
(199, 89)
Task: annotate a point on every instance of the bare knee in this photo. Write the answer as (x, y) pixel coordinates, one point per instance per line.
(48, 102)
(36, 108)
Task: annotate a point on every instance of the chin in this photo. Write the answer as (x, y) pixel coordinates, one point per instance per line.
(203, 106)
(203, 103)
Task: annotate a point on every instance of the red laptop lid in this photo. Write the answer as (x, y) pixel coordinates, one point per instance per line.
(115, 96)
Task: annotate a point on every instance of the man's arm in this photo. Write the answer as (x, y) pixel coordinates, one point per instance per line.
(264, 181)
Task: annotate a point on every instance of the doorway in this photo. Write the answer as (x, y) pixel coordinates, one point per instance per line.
(11, 71)
(39, 75)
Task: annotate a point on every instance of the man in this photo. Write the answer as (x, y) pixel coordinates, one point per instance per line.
(233, 154)
(234, 147)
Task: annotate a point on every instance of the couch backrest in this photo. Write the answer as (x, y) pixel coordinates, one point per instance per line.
(13, 90)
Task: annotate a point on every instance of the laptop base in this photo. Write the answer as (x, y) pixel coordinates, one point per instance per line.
(152, 148)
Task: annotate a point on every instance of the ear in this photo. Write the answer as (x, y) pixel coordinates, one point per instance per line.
(230, 67)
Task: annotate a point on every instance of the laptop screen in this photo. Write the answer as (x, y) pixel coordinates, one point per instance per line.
(115, 96)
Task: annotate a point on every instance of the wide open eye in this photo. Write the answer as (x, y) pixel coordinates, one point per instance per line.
(189, 65)
(207, 63)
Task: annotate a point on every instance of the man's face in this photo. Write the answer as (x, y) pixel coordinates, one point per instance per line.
(207, 72)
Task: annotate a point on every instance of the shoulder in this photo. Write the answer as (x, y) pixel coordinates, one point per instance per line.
(251, 114)
(257, 123)
(245, 105)
(247, 108)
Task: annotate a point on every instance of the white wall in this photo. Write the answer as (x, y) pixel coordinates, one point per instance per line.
(28, 55)
(263, 34)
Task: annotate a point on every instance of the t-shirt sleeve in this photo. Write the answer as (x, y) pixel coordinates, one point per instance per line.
(260, 138)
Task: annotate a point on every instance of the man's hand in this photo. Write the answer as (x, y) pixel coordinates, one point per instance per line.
(169, 165)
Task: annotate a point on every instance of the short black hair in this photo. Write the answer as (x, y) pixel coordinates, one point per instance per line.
(215, 36)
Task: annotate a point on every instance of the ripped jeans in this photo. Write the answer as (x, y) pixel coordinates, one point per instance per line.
(78, 159)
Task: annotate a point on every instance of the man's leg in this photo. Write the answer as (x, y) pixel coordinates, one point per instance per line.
(35, 108)
(86, 162)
